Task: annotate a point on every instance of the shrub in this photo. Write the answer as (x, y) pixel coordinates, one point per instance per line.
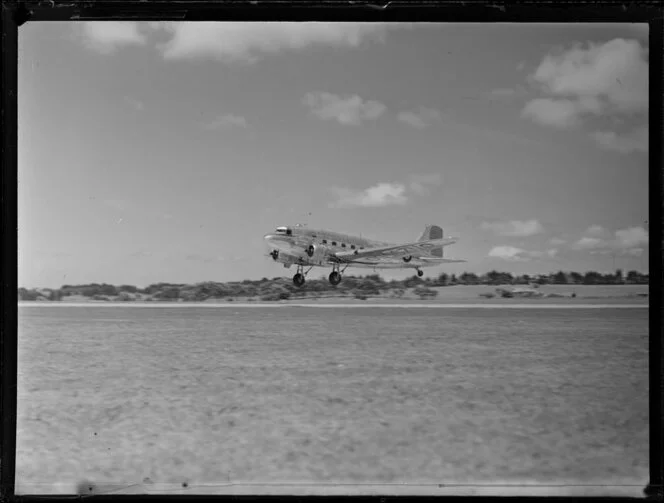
(125, 297)
(24, 294)
(275, 295)
(425, 293)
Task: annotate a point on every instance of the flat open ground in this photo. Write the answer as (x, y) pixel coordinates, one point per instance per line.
(332, 400)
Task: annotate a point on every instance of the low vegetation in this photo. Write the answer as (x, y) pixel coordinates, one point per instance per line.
(280, 288)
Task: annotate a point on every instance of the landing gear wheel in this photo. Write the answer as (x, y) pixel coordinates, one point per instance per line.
(420, 273)
(334, 278)
(298, 279)
(310, 250)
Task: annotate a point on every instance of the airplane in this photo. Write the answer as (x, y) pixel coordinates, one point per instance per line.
(304, 247)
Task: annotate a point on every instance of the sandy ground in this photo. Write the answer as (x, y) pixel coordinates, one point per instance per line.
(333, 401)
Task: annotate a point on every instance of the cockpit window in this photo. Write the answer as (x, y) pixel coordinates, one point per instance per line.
(284, 230)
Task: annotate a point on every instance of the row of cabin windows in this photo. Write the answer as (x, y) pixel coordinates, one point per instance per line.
(343, 245)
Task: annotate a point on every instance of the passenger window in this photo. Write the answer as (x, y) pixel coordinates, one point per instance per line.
(324, 241)
(352, 247)
(334, 243)
(343, 245)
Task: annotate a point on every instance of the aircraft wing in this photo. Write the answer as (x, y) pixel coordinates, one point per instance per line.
(395, 250)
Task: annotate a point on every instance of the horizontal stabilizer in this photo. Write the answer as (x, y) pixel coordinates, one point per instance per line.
(436, 260)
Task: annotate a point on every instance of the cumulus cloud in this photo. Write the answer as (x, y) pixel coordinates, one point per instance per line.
(421, 184)
(227, 121)
(514, 254)
(615, 72)
(633, 141)
(347, 110)
(596, 230)
(631, 241)
(386, 194)
(590, 243)
(549, 112)
(246, 41)
(593, 81)
(381, 194)
(557, 241)
(420, 118)
(514, 228)
(106, 36)
(632, 237)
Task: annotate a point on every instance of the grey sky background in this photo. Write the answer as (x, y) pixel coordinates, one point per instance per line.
(165, 151)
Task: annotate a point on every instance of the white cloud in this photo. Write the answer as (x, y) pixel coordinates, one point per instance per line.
(597, 80)
(507, 253)
(557, 241)
(106, 36)
(630, 241)
(421, 118)
(381, 194)
(513, 254)
(227, 121)
(615, 72)
(514, 227)
(633, 141)
(551, 112)
(596, 230)
(633, 237)
(348, 110)
(590, 243)
(245, 41)
(420, 184)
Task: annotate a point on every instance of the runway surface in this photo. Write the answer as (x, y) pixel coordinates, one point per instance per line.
(338, 400)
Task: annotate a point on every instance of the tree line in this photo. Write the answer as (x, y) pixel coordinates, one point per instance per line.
(280, 288)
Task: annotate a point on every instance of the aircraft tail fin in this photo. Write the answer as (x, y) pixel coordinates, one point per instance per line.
(433, 232)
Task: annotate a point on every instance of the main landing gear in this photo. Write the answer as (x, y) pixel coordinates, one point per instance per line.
(335, 276)
(298, 279)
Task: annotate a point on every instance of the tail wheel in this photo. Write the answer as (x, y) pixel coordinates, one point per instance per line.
(420, 273)
(298, 279)
(334, 278)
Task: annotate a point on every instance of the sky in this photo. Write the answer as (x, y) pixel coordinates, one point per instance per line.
(163, 152)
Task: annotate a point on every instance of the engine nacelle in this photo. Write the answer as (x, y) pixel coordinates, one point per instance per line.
(316, 254)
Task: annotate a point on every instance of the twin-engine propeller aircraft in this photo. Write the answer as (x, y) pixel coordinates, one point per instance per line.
(310, 248)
